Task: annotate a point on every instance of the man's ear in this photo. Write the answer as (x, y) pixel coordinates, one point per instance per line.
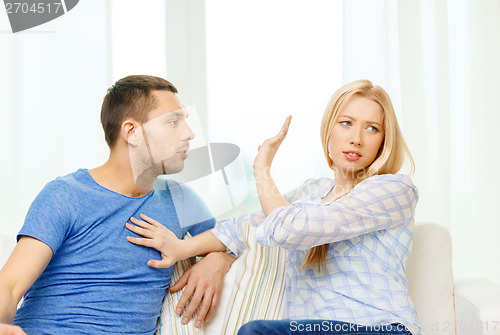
(131, 131)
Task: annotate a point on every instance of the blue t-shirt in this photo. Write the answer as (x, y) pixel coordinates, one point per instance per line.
(97, 282)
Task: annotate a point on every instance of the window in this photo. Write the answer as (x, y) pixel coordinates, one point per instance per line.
(267, 60)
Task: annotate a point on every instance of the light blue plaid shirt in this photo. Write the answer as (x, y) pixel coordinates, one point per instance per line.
(370, 233)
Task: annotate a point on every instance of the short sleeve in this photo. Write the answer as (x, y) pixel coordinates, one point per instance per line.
(50, 216)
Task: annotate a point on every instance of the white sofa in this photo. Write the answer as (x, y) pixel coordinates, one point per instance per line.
(254, 290)
(443, 305)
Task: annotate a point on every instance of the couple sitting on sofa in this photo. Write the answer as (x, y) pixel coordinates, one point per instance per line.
(97, 249)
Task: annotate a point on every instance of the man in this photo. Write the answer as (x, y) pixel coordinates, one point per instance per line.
(73, 260)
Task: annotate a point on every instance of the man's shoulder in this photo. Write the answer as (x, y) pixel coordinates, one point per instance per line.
(189, 206)
(70, 189)
(163, 182)
(73, 180)
(176, 189)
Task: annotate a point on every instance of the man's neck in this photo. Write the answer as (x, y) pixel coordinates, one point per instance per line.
(116, 175)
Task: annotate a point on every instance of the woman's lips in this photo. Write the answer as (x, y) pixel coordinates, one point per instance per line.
(352, 155)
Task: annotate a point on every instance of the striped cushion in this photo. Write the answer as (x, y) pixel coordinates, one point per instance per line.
(253, 290)
(169, 322)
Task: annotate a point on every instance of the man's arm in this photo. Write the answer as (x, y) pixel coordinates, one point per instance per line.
(28, 260)
(203, 282)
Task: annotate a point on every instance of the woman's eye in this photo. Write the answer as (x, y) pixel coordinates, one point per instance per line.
(345, 123)
(372, 129)
(173, 122)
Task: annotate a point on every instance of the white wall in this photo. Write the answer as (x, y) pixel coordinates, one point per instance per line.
(439, 62)
(264, 60)
(267, 60)
(52, 84)
(54, 78)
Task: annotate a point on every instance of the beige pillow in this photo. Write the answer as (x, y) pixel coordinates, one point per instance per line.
(430, 279)
(253, 288)
(169, 322)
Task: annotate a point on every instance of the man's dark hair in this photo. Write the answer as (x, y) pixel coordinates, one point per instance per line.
(130, 97)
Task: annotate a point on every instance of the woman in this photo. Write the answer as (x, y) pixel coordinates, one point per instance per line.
(348, 239)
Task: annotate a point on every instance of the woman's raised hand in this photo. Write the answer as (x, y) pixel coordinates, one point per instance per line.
(268, 149)
(156, 236)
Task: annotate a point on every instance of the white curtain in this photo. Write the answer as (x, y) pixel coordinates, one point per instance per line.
(54, 78)
(439, 61)
(265, 61)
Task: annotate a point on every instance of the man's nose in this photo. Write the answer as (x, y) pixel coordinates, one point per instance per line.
(188, 133)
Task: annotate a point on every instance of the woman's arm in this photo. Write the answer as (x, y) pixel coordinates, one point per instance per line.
(269, 195)
(379, 202)
(233, 233)
(226, 235)
(172, 249)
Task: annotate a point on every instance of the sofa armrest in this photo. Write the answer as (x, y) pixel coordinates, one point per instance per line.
(477, 307)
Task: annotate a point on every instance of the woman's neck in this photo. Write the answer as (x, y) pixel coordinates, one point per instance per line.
(344, 180)
(344, 183)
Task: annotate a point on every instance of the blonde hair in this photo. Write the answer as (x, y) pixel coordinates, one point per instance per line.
(389, 159)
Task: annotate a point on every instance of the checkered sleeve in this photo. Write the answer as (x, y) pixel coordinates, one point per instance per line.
(378, 202)
(230, 232)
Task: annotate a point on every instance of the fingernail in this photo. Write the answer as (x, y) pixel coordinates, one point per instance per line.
(185, 321)
(178, 311)
(197, 324)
